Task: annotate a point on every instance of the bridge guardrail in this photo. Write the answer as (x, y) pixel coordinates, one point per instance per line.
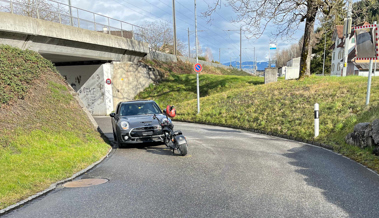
(64, 14)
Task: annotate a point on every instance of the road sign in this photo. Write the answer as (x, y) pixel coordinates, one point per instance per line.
(198, 68)
(108, 81)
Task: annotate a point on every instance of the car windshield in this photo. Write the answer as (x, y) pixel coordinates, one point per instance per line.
(131, 109)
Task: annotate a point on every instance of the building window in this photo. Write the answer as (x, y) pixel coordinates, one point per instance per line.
(334, 56)
(332, 67)
(338, 67)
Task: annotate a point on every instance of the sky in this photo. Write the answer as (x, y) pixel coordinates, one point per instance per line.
(213, 35)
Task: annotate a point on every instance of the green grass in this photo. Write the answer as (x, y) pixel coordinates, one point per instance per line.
(18, 70)
(44, 136)
(284, 107)
(180, 88)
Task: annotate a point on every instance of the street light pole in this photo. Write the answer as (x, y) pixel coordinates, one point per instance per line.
(197, 61)
(69, 3)
(323, 63)
(189, 47)
(174, 23)
(240, 47)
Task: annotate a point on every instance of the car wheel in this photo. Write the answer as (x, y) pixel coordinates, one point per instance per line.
(117, 140)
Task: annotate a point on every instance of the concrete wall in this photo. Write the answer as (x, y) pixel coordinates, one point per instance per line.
(292, 73)
(365, 73)
(96, 94)
(294, 62)
(282, 71)
(77, 75)
(271, 75)
(161, 56)
(129, 79)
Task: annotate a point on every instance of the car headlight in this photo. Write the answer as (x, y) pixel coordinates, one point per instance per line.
(124, 125)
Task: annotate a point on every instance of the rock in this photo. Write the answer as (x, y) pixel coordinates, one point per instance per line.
(361, 127)
(375, 132)
(361, 136)
(376, 151)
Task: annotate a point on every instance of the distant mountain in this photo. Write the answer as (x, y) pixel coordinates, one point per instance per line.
(248, 64)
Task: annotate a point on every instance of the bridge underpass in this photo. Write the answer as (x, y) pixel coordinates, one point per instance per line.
(86, 59)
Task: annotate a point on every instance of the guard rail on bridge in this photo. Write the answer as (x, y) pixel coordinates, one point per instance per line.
(69, 15)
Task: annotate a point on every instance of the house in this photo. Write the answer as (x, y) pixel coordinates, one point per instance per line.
(354, 67)
(338, 48)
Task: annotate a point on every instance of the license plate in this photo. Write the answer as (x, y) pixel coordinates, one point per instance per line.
(147, 133)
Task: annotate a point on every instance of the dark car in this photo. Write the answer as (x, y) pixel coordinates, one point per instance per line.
(133, 122)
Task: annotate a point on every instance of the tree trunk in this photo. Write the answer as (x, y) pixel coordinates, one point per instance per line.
(305, 59)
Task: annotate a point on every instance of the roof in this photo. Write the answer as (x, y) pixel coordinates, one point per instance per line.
(137, 101)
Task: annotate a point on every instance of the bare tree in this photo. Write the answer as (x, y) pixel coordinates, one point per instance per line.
(208, 54)
(286, 15)
(159, 35)
(42, 9)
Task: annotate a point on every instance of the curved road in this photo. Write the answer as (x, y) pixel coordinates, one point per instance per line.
(228, 173)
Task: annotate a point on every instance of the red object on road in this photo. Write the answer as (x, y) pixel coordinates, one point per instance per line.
(172, 112)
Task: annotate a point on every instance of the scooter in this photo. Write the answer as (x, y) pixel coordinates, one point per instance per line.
(172, 139)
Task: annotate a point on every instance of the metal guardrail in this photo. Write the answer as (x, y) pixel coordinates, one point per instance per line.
(64, 14)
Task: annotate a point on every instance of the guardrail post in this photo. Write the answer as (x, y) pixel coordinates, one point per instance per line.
(132, 33)
(316, 120)
(11, 6)
(94, 21)
(77, 14)
(37, 9)
(122, 34)
(109, 27)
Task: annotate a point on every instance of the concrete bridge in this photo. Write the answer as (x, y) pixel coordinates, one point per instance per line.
(88, 60)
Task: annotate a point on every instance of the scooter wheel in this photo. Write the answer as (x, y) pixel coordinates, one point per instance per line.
(183, 148)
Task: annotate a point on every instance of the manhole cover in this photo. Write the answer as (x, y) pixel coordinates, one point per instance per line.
(84, 183)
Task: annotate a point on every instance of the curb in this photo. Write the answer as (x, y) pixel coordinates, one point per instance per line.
(54, 185)
(299, 140)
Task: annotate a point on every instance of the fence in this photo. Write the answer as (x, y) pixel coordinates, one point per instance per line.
(69, 15)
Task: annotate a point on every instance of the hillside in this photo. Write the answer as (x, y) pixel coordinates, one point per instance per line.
(285, 107)
(44, 134)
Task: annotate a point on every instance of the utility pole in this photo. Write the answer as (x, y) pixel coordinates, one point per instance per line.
(240, 45)
(197, 61)
(69, 3)
(255, 63)
(174, 22)
(189, 47)
(347, 30)
(323, 63)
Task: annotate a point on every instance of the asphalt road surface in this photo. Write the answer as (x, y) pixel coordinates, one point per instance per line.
(227, 173)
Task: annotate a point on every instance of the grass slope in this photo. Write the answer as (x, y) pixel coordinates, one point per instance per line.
(285, 107)
(44, 134)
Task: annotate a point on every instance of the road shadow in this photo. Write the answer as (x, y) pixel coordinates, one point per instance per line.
(345, 183)
(160, 151)
(106, 138)
(223, 130)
